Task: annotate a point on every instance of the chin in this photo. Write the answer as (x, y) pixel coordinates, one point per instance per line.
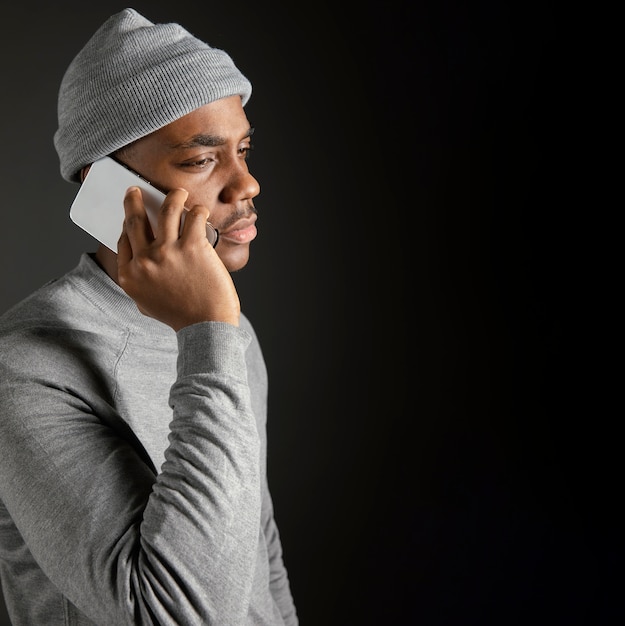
(235, 258)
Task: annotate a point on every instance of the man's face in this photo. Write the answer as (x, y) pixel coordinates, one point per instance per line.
(205, 153)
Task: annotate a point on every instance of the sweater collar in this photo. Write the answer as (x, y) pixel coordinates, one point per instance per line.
(108, 296)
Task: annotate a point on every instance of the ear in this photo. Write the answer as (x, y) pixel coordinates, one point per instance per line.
(83, 173)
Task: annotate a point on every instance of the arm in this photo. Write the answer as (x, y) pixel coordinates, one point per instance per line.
(124, 546)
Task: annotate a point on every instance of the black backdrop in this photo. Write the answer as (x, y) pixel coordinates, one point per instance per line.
(441, 450)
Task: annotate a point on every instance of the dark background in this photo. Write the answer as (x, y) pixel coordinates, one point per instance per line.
(426, 286)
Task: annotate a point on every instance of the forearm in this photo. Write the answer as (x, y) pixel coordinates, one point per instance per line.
(203, 515)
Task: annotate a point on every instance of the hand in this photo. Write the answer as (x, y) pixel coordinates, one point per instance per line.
(176, 279)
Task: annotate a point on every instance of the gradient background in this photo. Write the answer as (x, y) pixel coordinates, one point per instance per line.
(442, 451)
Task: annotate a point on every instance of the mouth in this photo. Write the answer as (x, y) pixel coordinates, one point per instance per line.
(242, 231)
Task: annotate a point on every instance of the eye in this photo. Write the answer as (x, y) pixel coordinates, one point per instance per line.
(245, 151)
(200, 163)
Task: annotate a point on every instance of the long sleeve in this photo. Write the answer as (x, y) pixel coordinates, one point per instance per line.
(139, 548)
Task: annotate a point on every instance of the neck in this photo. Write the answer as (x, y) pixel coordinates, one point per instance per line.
(107, 259)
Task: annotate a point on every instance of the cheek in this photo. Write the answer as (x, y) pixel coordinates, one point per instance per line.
(208, 197)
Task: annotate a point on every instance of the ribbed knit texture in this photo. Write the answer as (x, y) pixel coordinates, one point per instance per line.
(132, 78)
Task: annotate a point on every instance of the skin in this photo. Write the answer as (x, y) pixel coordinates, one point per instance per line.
(201, 159)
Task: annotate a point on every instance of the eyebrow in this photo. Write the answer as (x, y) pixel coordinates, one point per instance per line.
(204, 140)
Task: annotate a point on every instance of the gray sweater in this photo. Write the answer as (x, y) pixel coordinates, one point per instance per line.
(133, 466)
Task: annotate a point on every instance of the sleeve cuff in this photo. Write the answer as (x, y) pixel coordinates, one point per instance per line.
(212, 347)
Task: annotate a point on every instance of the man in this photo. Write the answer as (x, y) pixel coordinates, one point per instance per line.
(133, 391)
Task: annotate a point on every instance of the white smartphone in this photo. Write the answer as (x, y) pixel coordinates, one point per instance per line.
(98, 207)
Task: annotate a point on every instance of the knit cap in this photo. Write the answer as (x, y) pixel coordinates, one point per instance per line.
(132, 78)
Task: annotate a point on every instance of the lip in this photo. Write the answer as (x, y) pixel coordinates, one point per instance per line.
(242, 231)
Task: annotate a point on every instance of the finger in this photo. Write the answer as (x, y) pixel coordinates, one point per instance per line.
(168, 219)
(136, 224)
(195, 218)
(124, 249)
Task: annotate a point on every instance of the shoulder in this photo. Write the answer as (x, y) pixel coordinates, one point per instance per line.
(54, 331)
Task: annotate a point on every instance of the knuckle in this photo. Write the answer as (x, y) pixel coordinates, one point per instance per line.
(198, 212)
(145, 265)
(132, 221)
(168, 209)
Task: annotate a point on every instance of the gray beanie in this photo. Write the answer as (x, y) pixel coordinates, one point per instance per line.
(132, 78)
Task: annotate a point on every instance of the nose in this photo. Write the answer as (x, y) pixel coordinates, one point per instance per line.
(240, 184)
